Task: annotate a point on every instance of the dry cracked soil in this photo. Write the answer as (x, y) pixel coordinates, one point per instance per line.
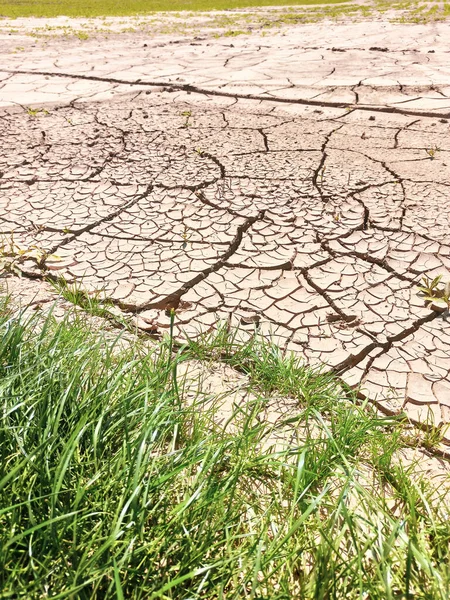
(296, 184)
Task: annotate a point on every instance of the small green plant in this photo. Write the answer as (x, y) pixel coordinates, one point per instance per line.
(187, 114)
(234, 32)
(322, 173)
(91, 303)
(432, 151)
(434, 293)
(12, 254)
(35, 112)
(185, 235)
(432, 436)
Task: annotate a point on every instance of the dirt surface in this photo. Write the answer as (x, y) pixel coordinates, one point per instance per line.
(296, 184)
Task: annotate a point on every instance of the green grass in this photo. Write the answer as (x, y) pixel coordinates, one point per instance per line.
(98, 8)
(182, 18)
(112, 486)
(94, 304)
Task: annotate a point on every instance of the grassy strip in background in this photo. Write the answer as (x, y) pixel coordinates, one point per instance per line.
(99, 8)
(111, 486)
(144, 16)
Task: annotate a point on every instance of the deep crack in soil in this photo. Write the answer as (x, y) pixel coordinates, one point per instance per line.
(268, 186)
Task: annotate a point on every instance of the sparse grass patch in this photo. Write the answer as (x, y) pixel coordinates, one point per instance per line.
(93, 304)
(35, 112)
(216, 17)
(12, 253)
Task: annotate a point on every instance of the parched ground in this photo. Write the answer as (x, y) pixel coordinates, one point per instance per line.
(295, 183)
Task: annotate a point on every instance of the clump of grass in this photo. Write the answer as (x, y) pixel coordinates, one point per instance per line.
(92, 303)
(270, 369)
(111, 486)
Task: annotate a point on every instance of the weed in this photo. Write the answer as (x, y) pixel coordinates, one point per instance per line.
(434, 293)
(234, 33)
(12, 254)
(35, 112)
(187, 114)
(432, 152)
(322, 173)
(93, 303)
(432, 436)
(185, 235)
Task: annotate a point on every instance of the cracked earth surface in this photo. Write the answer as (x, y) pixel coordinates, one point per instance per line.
(297, 185)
